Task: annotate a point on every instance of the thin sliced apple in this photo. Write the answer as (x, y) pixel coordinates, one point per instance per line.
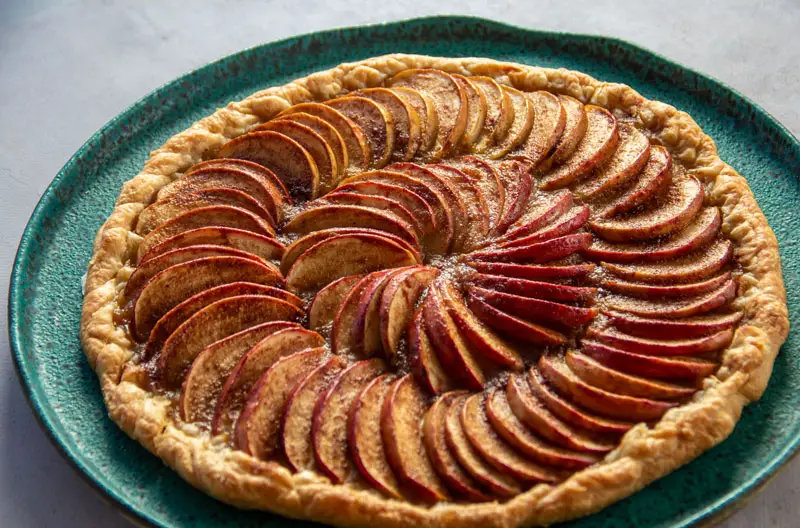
(201, 386)
(660, 347)
(364, 437)
(332, 414)
(375, 121)
(258, 429)
(598, 375)
(499, 114)
(298, 414)
(327, 301)
(401, 421)
(314, 144)
(428, 117)
(675, 308)
(537, 309)
(449, 99)
(626, 162)
(377, 202)
(405, 119)
(644, 290)
(344, 255)
(521, 126)
(575, 125)
(327, 131)
(252, 366)
(477, 211)
(680, 329)
(332, 216)
(517, 185)
(422, 357)
(412, 201)
(434, 431)
(366, 326)
(259, 245)
(271, 180)
(397, 303)
(532, 272)
(700, 232)
(538, 290)
(659, 367)
(284, 156)
(568, 223)
(538, 252)
(539, 215)
(342, 337)
(598, 144)
(358, 150)
(177, 283)
(476, 112)
(214, 322)
(550, 119)
(656, 176)
(512, 326)
(692, 266)
(487, 180)
(507, 426)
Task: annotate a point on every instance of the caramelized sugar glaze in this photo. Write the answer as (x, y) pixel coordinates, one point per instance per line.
(443, 288)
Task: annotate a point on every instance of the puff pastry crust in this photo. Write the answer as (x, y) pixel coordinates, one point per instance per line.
(645, 452)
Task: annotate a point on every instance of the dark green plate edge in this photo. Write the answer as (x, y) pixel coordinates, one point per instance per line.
(781, 138)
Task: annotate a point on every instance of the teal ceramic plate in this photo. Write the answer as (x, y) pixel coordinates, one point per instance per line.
(45, 296)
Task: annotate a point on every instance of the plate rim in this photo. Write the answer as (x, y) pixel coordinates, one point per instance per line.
(712, 513)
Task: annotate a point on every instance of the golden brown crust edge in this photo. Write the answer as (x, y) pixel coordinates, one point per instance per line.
(644, 454)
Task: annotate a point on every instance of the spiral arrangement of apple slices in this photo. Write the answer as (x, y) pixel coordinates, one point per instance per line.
(443, 288)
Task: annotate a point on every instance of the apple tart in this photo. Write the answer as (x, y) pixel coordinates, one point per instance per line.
(434, 291)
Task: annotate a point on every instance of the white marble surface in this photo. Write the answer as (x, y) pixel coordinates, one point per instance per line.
(68, 67)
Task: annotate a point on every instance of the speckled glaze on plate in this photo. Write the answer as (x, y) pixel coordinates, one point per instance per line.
(45, 292)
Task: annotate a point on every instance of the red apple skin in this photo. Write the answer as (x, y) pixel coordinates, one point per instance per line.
(522, 330)
(667, 329)
(658, 347)
(570, 223)
(422, 357)
(549, 250)
(649, 366)
(532, 272)
(536, 310)
(535, 289)
(397, 304)
(519, 200)
(558, 204)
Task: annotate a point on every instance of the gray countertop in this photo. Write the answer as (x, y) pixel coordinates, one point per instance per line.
(68, 67)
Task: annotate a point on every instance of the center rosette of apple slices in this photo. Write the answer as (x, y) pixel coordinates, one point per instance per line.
(442, 288)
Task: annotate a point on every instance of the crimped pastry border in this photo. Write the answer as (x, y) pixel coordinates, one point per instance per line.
(644, 453)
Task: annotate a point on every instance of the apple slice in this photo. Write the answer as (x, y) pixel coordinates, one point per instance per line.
(598, 375)
(651, 291)
(365, 329)
(539, 215)
(364, 437)
(377, 202)
(375, 121)
(508, 427)
(401, 421)
(477, 211)
(177, 283)
(298, 414)
(517, 185)
(258, 429)
(163, 210)
(476, 112)
(315, 145)
(700, 232)
(649, 366)
(681, 329)
(610, 404)
(532, 272)
(449, 99)
(512, 326)
(252, 366)
(419, 208)
(538, 252)
(261, 246)
(257, 186)
(201, 386)
(572, 414)
(521, 126)
(496, 451)
(530, 308)
(184, 310)
(405, 120)
(214, 322)
(549, 121)
(287, 158)
(342, 337)
(480, 338)
(326, 131)
(575, 125)
(331, 416)
(534, 289)
(499, 483)
(499, 114)
(211, 216)
(675, 308)
(397, 303)
(261, 173)
(656, 176)
(597, 146)
(568, 223)
(692, 266)
(451, 348)
(331, 216)
(423, 105)
(358, 150)
(434, 432)
(327, 301)
(422, 357)
(532, 412)
(344, 255)
(487, 180)
(626, 162)
(657, 347)
(678, 208)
